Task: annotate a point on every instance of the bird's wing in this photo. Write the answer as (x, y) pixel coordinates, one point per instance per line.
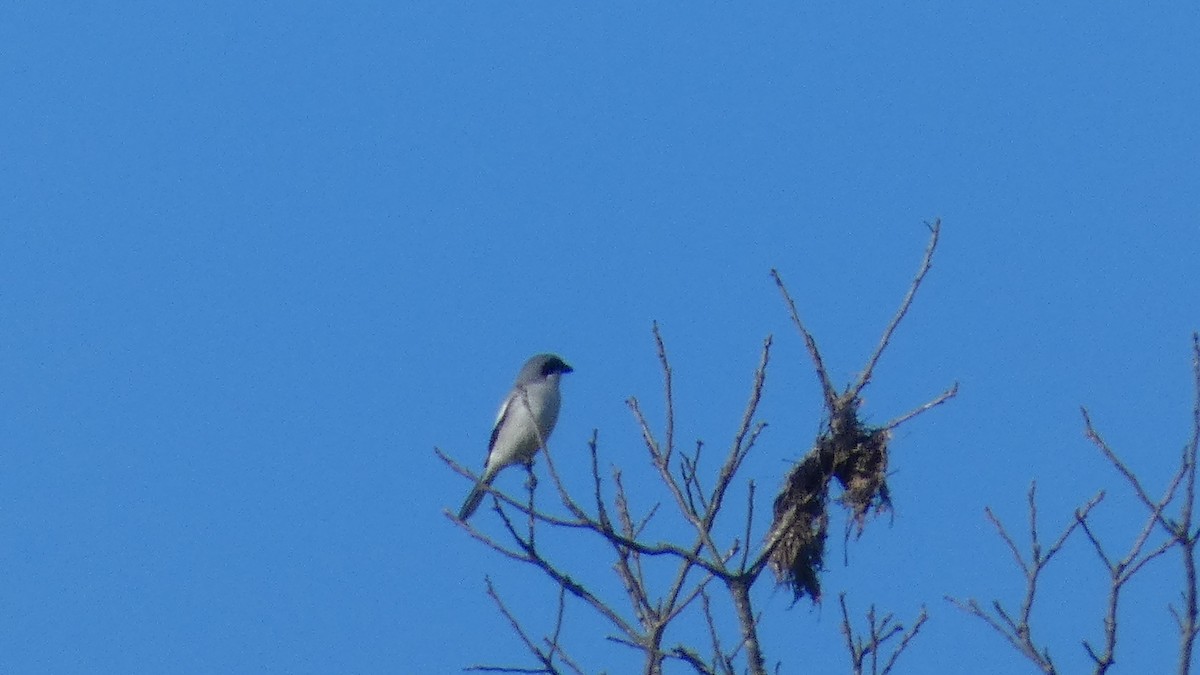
(506, 409)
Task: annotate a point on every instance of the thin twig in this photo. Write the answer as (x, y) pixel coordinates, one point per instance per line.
(743, 441)
(942, 398)
(879, 632)
(809, 341)
(723, 663)
(749, 523)
(1111, 456)
(935, 229)
(905, 639)
(668, 391)
(547, 660)
(1136, 559)
(1017, 630)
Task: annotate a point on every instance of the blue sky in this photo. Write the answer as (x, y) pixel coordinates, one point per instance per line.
(257, 260)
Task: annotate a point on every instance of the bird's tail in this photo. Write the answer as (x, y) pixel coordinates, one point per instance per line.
(475, 497)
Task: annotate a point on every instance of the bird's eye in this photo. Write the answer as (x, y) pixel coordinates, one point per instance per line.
(552, 366)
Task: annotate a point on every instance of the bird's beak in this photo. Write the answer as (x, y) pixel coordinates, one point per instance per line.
(567, 369)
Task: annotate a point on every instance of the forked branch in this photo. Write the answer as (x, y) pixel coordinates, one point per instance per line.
(867, 649)
(1181, 531)
(847, 450)
(1017, 627)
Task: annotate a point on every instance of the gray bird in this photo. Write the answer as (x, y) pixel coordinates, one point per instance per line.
(524, 423)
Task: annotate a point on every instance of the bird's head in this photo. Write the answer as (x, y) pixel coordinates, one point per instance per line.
(542, 367)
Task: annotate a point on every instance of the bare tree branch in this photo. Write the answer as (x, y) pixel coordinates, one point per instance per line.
(942, 398)
(809, 341)
(553, 641)
(740, 590)
(722, 662)
(1180, 533)
(546, 658)
(935, 229)
(905, 639)
(1187, 535)
(1113, 459)
(668, 392)
(879, 632)
(1017, 630)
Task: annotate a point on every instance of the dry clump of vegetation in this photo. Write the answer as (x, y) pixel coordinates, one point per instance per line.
(854, 454)
(847, 450)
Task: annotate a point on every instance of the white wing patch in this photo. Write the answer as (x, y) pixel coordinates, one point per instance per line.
(504, 409)
(500, 413)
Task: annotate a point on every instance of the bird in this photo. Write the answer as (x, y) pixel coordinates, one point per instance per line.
(524, 423)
